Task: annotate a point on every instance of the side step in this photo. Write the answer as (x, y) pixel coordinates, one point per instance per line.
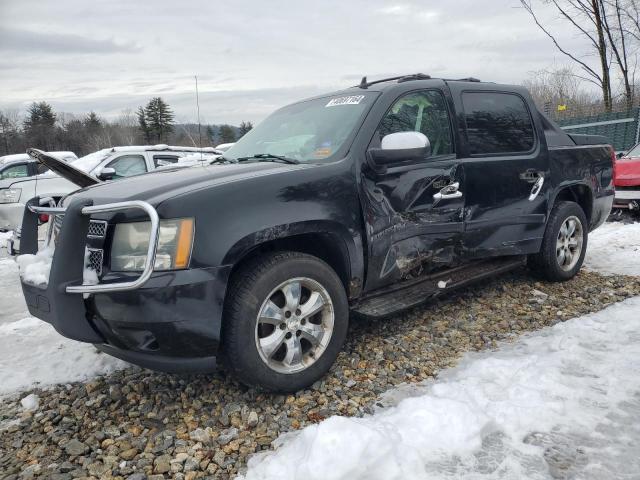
(411, 293)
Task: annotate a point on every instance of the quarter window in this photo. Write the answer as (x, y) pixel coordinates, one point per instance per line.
(497, 123)
(424, 112)
(128, 165)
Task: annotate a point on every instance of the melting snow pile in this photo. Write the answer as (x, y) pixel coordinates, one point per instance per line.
(614, 248)
(562, 402)
(34, 269)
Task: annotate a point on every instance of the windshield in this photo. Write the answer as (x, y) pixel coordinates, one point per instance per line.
(634, 152)
(307, 131)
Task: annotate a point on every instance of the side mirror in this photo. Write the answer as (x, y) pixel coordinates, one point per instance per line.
(107, 173)
(400, 147)
(619, 154)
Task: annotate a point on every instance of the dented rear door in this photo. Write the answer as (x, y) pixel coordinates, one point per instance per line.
(411, 227)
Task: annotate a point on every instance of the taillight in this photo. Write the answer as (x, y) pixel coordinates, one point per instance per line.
(43, 217)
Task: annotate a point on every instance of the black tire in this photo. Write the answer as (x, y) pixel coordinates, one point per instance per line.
(250, 287)
(546, 263)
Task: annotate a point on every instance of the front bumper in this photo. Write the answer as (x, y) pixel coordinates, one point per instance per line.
(170, 322)
(10, 216)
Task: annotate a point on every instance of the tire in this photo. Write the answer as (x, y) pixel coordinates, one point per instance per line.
(272, 341)
(550, 262)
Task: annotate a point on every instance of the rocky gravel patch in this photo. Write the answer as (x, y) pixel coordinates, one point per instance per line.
(136, 424)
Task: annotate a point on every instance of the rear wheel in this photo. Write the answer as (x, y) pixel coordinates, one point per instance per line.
(285, 321)
(564, 244)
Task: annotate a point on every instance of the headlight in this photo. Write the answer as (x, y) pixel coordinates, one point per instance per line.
(10, 195)
(131, 240)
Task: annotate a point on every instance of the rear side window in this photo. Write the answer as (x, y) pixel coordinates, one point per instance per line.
(163, 160)
(497, 123)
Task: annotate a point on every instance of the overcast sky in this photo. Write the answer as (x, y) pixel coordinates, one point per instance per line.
(250, 56)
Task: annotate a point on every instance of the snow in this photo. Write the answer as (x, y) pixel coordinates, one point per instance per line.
(34, 269)
(495, 415)
(562, 402)
(4, 236)
(30, 402)
(614, 248)
(32, 353)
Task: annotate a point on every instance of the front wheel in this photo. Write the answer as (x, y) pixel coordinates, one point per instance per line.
(285, 321)
(564, 244)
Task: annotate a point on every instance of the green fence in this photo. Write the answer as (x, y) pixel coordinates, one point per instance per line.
(621, 128)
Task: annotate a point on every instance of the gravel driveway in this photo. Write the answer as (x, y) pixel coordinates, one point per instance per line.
(138, 424)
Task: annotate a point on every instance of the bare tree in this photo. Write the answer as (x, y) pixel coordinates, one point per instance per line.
(585, 16)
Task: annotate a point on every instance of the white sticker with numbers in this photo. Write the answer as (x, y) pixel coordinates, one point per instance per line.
(350, 100)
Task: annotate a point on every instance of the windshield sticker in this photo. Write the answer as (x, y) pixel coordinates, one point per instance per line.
(350, 100)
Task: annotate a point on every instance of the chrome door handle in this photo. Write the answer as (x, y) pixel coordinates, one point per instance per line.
(450, 191)
(537, 186)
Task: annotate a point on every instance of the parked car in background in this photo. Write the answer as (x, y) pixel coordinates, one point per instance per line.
(107, 164)
(21, 165)
(223, 147)
(627, 180)
(371, 199)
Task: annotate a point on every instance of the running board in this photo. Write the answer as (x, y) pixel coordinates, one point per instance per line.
(415, 292)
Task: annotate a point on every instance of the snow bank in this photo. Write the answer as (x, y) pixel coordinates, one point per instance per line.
(32, 353)
(563, 399)
(614, 248)
(34, 269)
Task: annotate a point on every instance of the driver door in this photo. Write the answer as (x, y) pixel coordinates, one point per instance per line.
(414, 208)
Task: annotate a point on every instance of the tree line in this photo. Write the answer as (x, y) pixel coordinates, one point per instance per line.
(42, 127)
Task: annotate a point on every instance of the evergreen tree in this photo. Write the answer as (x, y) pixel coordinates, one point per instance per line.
(144, 126)
(159, 119)
(244, 128)
(92, 122)
(211, 134)
(39, 126)
(226, 134)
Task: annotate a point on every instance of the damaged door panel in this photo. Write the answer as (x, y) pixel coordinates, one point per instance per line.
(414, 209)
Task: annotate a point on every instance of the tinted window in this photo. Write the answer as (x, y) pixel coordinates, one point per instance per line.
(15, 171)
(424, 112)
(497, 123)
(128, 165)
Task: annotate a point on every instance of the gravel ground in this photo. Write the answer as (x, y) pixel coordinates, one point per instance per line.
(139, 424)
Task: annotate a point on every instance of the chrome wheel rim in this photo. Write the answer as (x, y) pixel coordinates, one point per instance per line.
(294, 325)
(569, 243)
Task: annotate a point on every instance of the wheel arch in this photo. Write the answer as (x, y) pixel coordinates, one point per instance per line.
(579, 193)
(331, 242)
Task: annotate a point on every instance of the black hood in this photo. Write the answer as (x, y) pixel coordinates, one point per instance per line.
(62, 168)
(158, 186)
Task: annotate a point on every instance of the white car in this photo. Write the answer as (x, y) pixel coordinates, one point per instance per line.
(23, 157)
(107, 164)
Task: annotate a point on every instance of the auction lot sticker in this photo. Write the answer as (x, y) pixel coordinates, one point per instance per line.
(350, 100)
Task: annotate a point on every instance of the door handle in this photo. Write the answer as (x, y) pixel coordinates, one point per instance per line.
(450, 191)
(535, 190)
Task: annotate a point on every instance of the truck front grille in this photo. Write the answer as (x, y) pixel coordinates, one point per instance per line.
(95, 259)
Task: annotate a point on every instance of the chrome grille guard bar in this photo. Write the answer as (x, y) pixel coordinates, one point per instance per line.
(107, 208)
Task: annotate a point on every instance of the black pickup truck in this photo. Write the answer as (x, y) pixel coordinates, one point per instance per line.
(369, 200)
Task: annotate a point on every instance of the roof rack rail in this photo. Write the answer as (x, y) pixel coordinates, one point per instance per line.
(402, 78)
(468, 79)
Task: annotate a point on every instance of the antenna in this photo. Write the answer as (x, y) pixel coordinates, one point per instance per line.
(199, 126)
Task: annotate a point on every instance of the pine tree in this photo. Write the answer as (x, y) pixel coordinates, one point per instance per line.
(144, 126)
(226, 134)
(39, 126)
(244, 128)
(159, 118)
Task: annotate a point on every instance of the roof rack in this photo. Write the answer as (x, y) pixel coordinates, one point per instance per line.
(402, 78)
(415, 76)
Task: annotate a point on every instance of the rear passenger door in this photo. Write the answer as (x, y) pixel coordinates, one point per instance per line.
(506, 172)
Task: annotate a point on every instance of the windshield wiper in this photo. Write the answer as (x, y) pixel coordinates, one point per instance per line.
(269, 157)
